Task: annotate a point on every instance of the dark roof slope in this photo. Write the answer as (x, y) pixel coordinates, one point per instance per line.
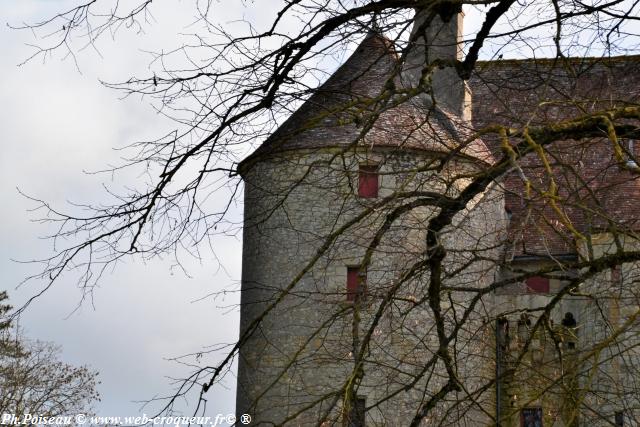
(335, 112)
(598, 192)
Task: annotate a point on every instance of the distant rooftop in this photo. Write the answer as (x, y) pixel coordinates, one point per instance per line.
(600, 194)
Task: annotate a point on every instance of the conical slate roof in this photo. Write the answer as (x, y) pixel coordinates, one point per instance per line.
(339, 113)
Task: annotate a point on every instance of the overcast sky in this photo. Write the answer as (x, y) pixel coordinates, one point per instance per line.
(57, 122)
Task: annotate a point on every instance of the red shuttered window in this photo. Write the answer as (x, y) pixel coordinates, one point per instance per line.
(368, 181)
(355, 283)
(537, 285)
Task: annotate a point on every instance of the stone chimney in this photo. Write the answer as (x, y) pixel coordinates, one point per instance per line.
(439, 39)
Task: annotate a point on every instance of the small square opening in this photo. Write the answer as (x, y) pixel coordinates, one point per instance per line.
(537, 285)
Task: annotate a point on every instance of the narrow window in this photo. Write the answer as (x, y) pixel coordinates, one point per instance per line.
(524, 325)
(368, 181)
(355, 283)
(503, 333)
(531, 417)
(619, 419)
(616, 275)
(356, 414)
(569, 321)
(537, 285)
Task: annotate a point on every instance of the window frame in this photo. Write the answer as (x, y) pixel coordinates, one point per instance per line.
(537, 409)
(367, 173)
(536, 288)
(360, 290)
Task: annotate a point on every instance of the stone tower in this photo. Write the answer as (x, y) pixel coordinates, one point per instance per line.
(316, 279)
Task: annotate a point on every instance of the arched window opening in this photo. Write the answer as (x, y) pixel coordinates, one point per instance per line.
(569, 321)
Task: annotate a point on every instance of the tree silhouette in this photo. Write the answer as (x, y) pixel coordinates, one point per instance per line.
(34, 382)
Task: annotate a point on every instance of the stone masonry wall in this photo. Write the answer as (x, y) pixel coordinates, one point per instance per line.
(295, 364)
